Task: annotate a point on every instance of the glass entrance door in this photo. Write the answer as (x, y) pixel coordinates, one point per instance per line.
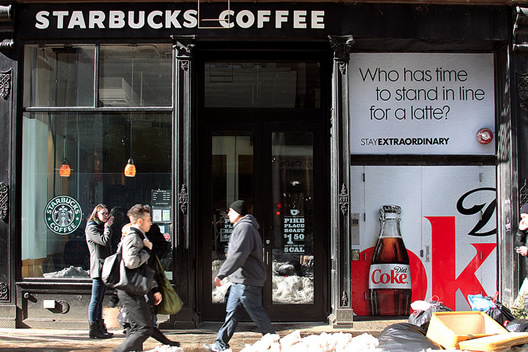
(263, 137)
(292, 245)
(278, 171)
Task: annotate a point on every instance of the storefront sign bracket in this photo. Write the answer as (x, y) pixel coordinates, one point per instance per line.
(226, 21)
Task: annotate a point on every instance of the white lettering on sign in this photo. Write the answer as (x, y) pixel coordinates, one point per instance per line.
(297, 248)
(390, 276)
(421, 103)
(96, 18)
(293, 231)
(169, 19)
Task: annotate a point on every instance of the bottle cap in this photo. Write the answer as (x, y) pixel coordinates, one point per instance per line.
(390, 211)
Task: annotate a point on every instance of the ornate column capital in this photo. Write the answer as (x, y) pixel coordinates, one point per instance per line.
(7, 27)
(184, 45)
(341, 44)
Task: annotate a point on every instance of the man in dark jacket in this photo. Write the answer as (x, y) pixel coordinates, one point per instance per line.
(245, 267)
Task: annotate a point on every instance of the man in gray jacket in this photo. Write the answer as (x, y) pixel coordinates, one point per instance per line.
(245, 267)
(136, 251)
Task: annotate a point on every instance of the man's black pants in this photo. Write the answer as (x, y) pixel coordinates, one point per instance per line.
(140, 318)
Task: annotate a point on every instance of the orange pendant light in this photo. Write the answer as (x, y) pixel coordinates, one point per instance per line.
(65, 170)
(130, 168)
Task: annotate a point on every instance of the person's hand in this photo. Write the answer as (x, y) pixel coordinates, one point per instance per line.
(523, 250)
(218, 282)
(157, 298)
(110, 221)
(147, 243)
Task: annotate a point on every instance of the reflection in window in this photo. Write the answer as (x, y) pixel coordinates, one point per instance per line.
(292, 189)
(129, 75)
(262, 84)
(58, 75)
(138, 75)
(97, 147)
(232, 178)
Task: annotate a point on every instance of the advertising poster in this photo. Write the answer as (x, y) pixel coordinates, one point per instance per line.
(448, 227)
(421, 103)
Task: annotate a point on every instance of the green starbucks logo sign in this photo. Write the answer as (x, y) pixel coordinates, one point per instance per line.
(63, 215)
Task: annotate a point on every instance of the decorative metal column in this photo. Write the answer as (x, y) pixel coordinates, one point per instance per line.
(183, 275)
(512, 135)
(9, 236)
(342, 313)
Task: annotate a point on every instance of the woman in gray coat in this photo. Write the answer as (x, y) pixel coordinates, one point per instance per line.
(98, 237)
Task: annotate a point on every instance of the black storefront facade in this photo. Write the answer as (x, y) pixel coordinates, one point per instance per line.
(270, 103)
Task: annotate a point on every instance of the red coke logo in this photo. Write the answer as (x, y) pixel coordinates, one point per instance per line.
(389, 276)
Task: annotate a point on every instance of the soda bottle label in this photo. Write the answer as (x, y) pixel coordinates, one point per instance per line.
(392, 276)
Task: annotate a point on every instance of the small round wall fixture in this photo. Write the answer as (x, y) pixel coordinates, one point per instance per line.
(484, 136)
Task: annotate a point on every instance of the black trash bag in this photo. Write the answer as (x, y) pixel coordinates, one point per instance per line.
(405, 337)
(518, 325)
(500, 313)
(422, 318)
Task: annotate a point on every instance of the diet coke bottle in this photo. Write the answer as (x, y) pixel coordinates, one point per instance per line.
(390, 276)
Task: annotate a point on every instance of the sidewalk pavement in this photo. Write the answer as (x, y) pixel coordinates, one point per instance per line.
(192, 340)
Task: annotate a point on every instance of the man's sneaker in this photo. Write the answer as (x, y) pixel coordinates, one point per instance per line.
(212, 348)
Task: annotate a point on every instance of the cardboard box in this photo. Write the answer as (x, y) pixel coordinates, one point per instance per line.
(495, 342)
(449, 328)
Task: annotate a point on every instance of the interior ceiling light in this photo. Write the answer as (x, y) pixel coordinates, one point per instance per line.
(130, 168)
(65, 170)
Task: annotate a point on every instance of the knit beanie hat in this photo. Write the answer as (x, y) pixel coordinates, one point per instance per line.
(239, 206)
(524, 209)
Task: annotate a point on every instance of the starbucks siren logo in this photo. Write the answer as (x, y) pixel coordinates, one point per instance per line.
(63, 215)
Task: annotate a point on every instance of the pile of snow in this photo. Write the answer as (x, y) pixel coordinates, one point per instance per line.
(293, 289)
(336, 342)
(72, 271)
(286, 289)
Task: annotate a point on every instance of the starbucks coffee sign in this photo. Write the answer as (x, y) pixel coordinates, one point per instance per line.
(63, 215)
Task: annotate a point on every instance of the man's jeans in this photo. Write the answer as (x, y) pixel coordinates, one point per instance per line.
(250, 298)
(95, 309)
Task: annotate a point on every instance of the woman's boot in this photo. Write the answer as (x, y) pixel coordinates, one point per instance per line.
(94, 331)
(102, 328)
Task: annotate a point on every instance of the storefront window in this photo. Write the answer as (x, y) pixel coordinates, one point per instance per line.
(262, 84)
(59, 75)
(138, 75)
(97, 147)
(74, 159)
(128, 76)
